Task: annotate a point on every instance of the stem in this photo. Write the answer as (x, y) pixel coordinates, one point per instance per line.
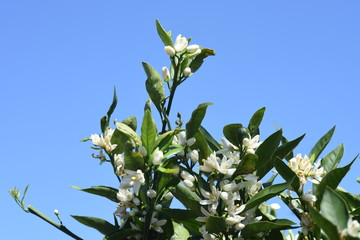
(51, 222)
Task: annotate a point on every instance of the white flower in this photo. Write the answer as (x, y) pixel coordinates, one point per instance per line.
(151, 193)
(210, 164)
(225, 166)
(212, 198)
(166, 74)
(124, 195)
(309, 198)
(158, 156)
(180, 43)
(274, 206)
(158, 207)
(157, 224)
(250, 144)
(187, 72)
(136, 201)
(315, 173)
(142, 151)
(234, 220)
(170, 50)
(190, 141)
(133, 179)
(192, 48)
(104, 141)
(169, 196)
(254, 187)
(304, 170)
(188, 179)
(353, 228)
(119, 163)
(56, 212)
(194, 156)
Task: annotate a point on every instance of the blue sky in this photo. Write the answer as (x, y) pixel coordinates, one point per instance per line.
(59, 62)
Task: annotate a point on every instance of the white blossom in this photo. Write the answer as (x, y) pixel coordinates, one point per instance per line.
(250, 144)
(169, 196)
(166, 74)
(275, 206)
(133, 179)
(309, 198)
(194, 156)
(124, 195)
(187, 72)
(158, 156)
(180, 43)
(192, 48)
(169, 50)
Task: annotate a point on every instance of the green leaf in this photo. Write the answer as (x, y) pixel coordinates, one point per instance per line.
(332, 180)
(168, 170)
(180, 233)
(287, 148)
(104, 191)
(99, 224)
(202, 145)
(129, 132)
(148, 131)
(131, 122)
(265, 153)
(214, 145)
(334, 209)
(256, 120)
(175, 149)
(264, 226)
(120, 139)
(189, 199)
(164, 141)
(352, 200)
(230, 132)
(104, 122)
(134, 161)
(332, 159)
(287, 174)
(266, 194)
(327, 226)
(165, 37)
(196, 118)
(154, 86)
(179, 214)
(122, 234)
(199, 59)
(321, 144)
(246, 165)
(216, 224)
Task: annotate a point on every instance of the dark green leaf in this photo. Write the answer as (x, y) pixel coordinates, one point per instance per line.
(120, 139)
(321, 144)
(332, 180)
(352, 200)
(265, 153)
(131, 122)
(287, 148)
(99, 224)
(246, 166)
(332, 159)
(154, 86)
(334, 209)
(196, 118)
(256, 119)
(134, 161)
(189, 199)
(129, 132)
(163, 34)
(327, 226)
(179, 214)
(216, 224)
(199, 59)
(266, 194)
(230, 132)
(148, 131)
(214, 145)
(287, 174)
(122, 234)
(264, 226)
(202, 145)
(104, 191)
(104, 122)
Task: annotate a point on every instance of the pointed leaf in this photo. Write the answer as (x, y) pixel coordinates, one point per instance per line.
(352, 200)
(154, 86)
(131, 122)
(180, 233)
(230, 132)
(104, 191)
(128, 131)
(287, 174)
(104, 122)
(215, 224)
(196, 118)
(332, 159)
(99, 224)
(256, 120)
(266, 194)
(199, 59)
(214, 145)
(321, 144)
(189, 199)
(122, 234)
(148, 131)
(163, 34)
(264, 226)
(265, 153)
(164, 141)
(202, 145)
(287, 148)
(327, 226)
(334, 209)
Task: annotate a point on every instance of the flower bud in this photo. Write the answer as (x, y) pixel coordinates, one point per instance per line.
(308, 198)
(187, 72)
(169, 196)
(170, 50)
(136, 201)
(192, 48)
(142, 151)
(166, 74)
(194, 156)
(151, 193)
(158, 156)
(191, 141)
(56, 212)
(274, 206)
(158, 207)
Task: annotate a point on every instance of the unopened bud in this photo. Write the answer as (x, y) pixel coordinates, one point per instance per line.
(170, 51)
(187, 72)
(151, 193)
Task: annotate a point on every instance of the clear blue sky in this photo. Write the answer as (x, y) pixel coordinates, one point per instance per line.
(59, 62)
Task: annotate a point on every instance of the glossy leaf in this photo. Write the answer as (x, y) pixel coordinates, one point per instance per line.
(99, 224)
(246, 165)
(148, 131)
(266, 194)
(104, 191)
(104, 122)
(352, 200)
(154, 86)
(332, 180)
(196, 118)
(230, 132)
(163, 34)
(189, 199)
(199, 59)
(332, 159)
(215, 224)
(163, 141)
(265, 153)
(134, 161)
(202, 145)
(129, 132)
(287, 148)
(264, 226)
(175, 149)
(287, 174)
(327, 226)
(122, 234)
(321, 144)
(180, 233)
(179, 214)
(214, 145)
(168, 170)
(334, 209)
(256, 120)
